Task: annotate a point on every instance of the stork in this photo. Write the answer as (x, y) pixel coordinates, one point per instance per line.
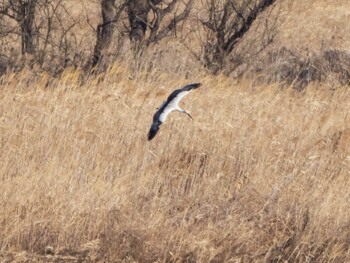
(171, 104)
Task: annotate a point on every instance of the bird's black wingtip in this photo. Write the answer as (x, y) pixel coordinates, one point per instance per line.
(196, 85)
(153, 131)
(150, 136)
(191, 86)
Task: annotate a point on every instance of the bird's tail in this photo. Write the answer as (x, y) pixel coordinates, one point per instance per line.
(153, 130)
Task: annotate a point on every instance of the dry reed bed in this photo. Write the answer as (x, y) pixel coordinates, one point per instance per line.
(261, 174)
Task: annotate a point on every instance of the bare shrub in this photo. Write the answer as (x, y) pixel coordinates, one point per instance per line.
(225, 24)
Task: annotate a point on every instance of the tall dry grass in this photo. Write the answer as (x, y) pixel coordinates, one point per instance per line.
(260, 175)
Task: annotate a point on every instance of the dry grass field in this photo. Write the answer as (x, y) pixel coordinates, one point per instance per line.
(262, 173)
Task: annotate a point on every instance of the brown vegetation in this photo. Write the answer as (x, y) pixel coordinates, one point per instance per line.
(260, 175)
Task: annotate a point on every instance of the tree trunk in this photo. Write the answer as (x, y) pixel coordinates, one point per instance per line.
(138, 18)
(27, 14)
(104, 32)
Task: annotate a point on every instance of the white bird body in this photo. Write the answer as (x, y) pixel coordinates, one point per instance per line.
(166, 112)
(171, 104)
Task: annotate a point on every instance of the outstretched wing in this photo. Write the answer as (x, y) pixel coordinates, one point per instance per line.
(153, 130)
(178, 94)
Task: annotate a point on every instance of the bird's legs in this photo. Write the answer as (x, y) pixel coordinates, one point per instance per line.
(189, 115)
(183, 111)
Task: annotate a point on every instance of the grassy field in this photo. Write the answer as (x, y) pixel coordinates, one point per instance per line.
(260, 175)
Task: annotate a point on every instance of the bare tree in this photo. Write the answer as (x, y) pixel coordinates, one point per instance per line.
(56, 40)
(47, 30)
(23, 12)
(138, 14)
(227, 22)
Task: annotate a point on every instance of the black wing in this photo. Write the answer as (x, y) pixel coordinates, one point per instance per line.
(153, 130)
(185, 88)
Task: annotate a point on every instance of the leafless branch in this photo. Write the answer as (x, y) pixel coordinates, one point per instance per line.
(156, 36)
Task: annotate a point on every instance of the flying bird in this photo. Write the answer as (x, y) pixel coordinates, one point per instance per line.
(171, 104)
